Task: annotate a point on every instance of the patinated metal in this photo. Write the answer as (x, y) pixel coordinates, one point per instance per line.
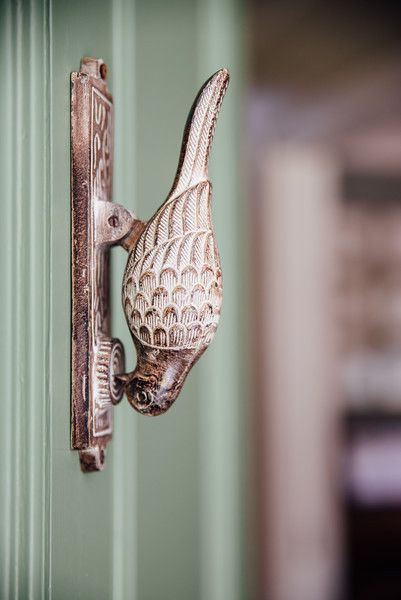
(96, 224)
(172, 286)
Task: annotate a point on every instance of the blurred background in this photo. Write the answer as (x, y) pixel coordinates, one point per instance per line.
(323, 123)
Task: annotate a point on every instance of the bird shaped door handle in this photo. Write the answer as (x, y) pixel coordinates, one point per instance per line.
(172, 288)
(172, 284)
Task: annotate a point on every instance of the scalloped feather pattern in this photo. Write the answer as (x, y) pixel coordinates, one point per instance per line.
(172, 289)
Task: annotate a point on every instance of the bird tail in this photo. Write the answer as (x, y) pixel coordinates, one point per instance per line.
(198, 133)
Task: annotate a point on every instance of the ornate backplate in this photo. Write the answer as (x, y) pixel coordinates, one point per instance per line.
(95, 355)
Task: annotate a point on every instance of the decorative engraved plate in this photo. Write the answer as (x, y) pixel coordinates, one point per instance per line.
(95, 355)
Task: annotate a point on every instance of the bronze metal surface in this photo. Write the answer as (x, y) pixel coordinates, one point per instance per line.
(96, 223)
(172, 287)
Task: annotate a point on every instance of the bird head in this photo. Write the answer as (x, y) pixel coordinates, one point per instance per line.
(157, 380)
(147, 394)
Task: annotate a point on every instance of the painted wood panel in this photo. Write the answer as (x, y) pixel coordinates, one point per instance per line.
(24, 498)
(163, 520)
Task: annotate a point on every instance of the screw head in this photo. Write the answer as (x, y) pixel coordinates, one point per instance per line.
(113, 221)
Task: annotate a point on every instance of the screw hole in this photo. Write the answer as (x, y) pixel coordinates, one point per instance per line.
(113, 221)
(103, 70)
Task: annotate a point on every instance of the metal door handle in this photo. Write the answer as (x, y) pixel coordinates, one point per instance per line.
(172, 285)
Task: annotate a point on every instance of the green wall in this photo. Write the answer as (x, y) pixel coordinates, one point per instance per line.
(164, 520)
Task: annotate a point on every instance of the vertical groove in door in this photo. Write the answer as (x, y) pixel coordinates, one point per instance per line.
(46, 457)
(7, 305)
(24, 276)
(222, 432)
(19, 294)
(122, 80)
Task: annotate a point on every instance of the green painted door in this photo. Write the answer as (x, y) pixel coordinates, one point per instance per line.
(163, 521)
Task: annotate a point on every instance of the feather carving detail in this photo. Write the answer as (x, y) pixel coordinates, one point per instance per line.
(172, 287)
(175, 264)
